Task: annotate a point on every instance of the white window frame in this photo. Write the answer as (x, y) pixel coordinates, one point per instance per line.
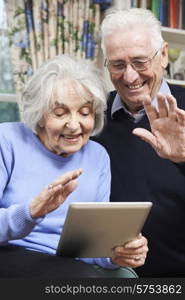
(9, 98)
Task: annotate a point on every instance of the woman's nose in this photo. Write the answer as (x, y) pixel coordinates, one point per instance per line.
(73, 124)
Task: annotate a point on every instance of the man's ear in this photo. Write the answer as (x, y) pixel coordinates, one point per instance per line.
(164, 55)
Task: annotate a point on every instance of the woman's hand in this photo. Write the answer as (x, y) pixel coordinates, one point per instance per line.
(55, 194)
(132, 254)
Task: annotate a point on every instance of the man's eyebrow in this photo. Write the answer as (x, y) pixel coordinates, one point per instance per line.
(116, 60)
(133, 58)
(139, 57)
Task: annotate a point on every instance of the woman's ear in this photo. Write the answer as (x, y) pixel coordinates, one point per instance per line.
(164, 55)
(41, 123)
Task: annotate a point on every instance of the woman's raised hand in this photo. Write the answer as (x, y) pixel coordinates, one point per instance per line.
(54, 194)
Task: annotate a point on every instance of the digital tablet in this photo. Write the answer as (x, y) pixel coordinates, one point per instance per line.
(92, 229)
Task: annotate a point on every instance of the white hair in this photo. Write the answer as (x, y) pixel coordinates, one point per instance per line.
(86, 78)
(130, 19)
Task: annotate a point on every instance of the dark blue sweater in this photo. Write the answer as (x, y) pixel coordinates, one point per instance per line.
(139, 174)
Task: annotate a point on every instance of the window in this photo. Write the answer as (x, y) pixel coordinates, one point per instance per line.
(6, 80)
(8, 105)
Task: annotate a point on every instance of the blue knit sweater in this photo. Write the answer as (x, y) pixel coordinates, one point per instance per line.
(26, 167)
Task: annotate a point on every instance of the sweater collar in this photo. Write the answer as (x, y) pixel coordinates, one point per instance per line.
(119, 104)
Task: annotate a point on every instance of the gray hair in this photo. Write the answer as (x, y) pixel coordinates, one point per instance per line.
(130, 19)
(37, 94)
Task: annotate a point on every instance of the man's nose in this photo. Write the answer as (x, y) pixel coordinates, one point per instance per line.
(130, 74)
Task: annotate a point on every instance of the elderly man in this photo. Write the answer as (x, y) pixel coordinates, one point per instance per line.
(136, 56)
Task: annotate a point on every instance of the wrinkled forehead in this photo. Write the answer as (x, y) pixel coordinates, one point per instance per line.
(137, 39)
(67, 90)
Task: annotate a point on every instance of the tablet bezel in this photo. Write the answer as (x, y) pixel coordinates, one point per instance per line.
(91, 229)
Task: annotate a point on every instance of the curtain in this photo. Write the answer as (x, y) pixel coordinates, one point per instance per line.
(42, 29)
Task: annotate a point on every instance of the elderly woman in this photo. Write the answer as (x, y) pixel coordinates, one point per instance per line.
(41, 159)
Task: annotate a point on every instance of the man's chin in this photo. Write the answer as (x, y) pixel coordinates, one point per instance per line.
(135, 104)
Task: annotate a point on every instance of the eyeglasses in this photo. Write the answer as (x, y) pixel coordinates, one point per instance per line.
(138, 65)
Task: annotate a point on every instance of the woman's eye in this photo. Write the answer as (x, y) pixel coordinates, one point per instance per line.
(85, 111)
(59, 112)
